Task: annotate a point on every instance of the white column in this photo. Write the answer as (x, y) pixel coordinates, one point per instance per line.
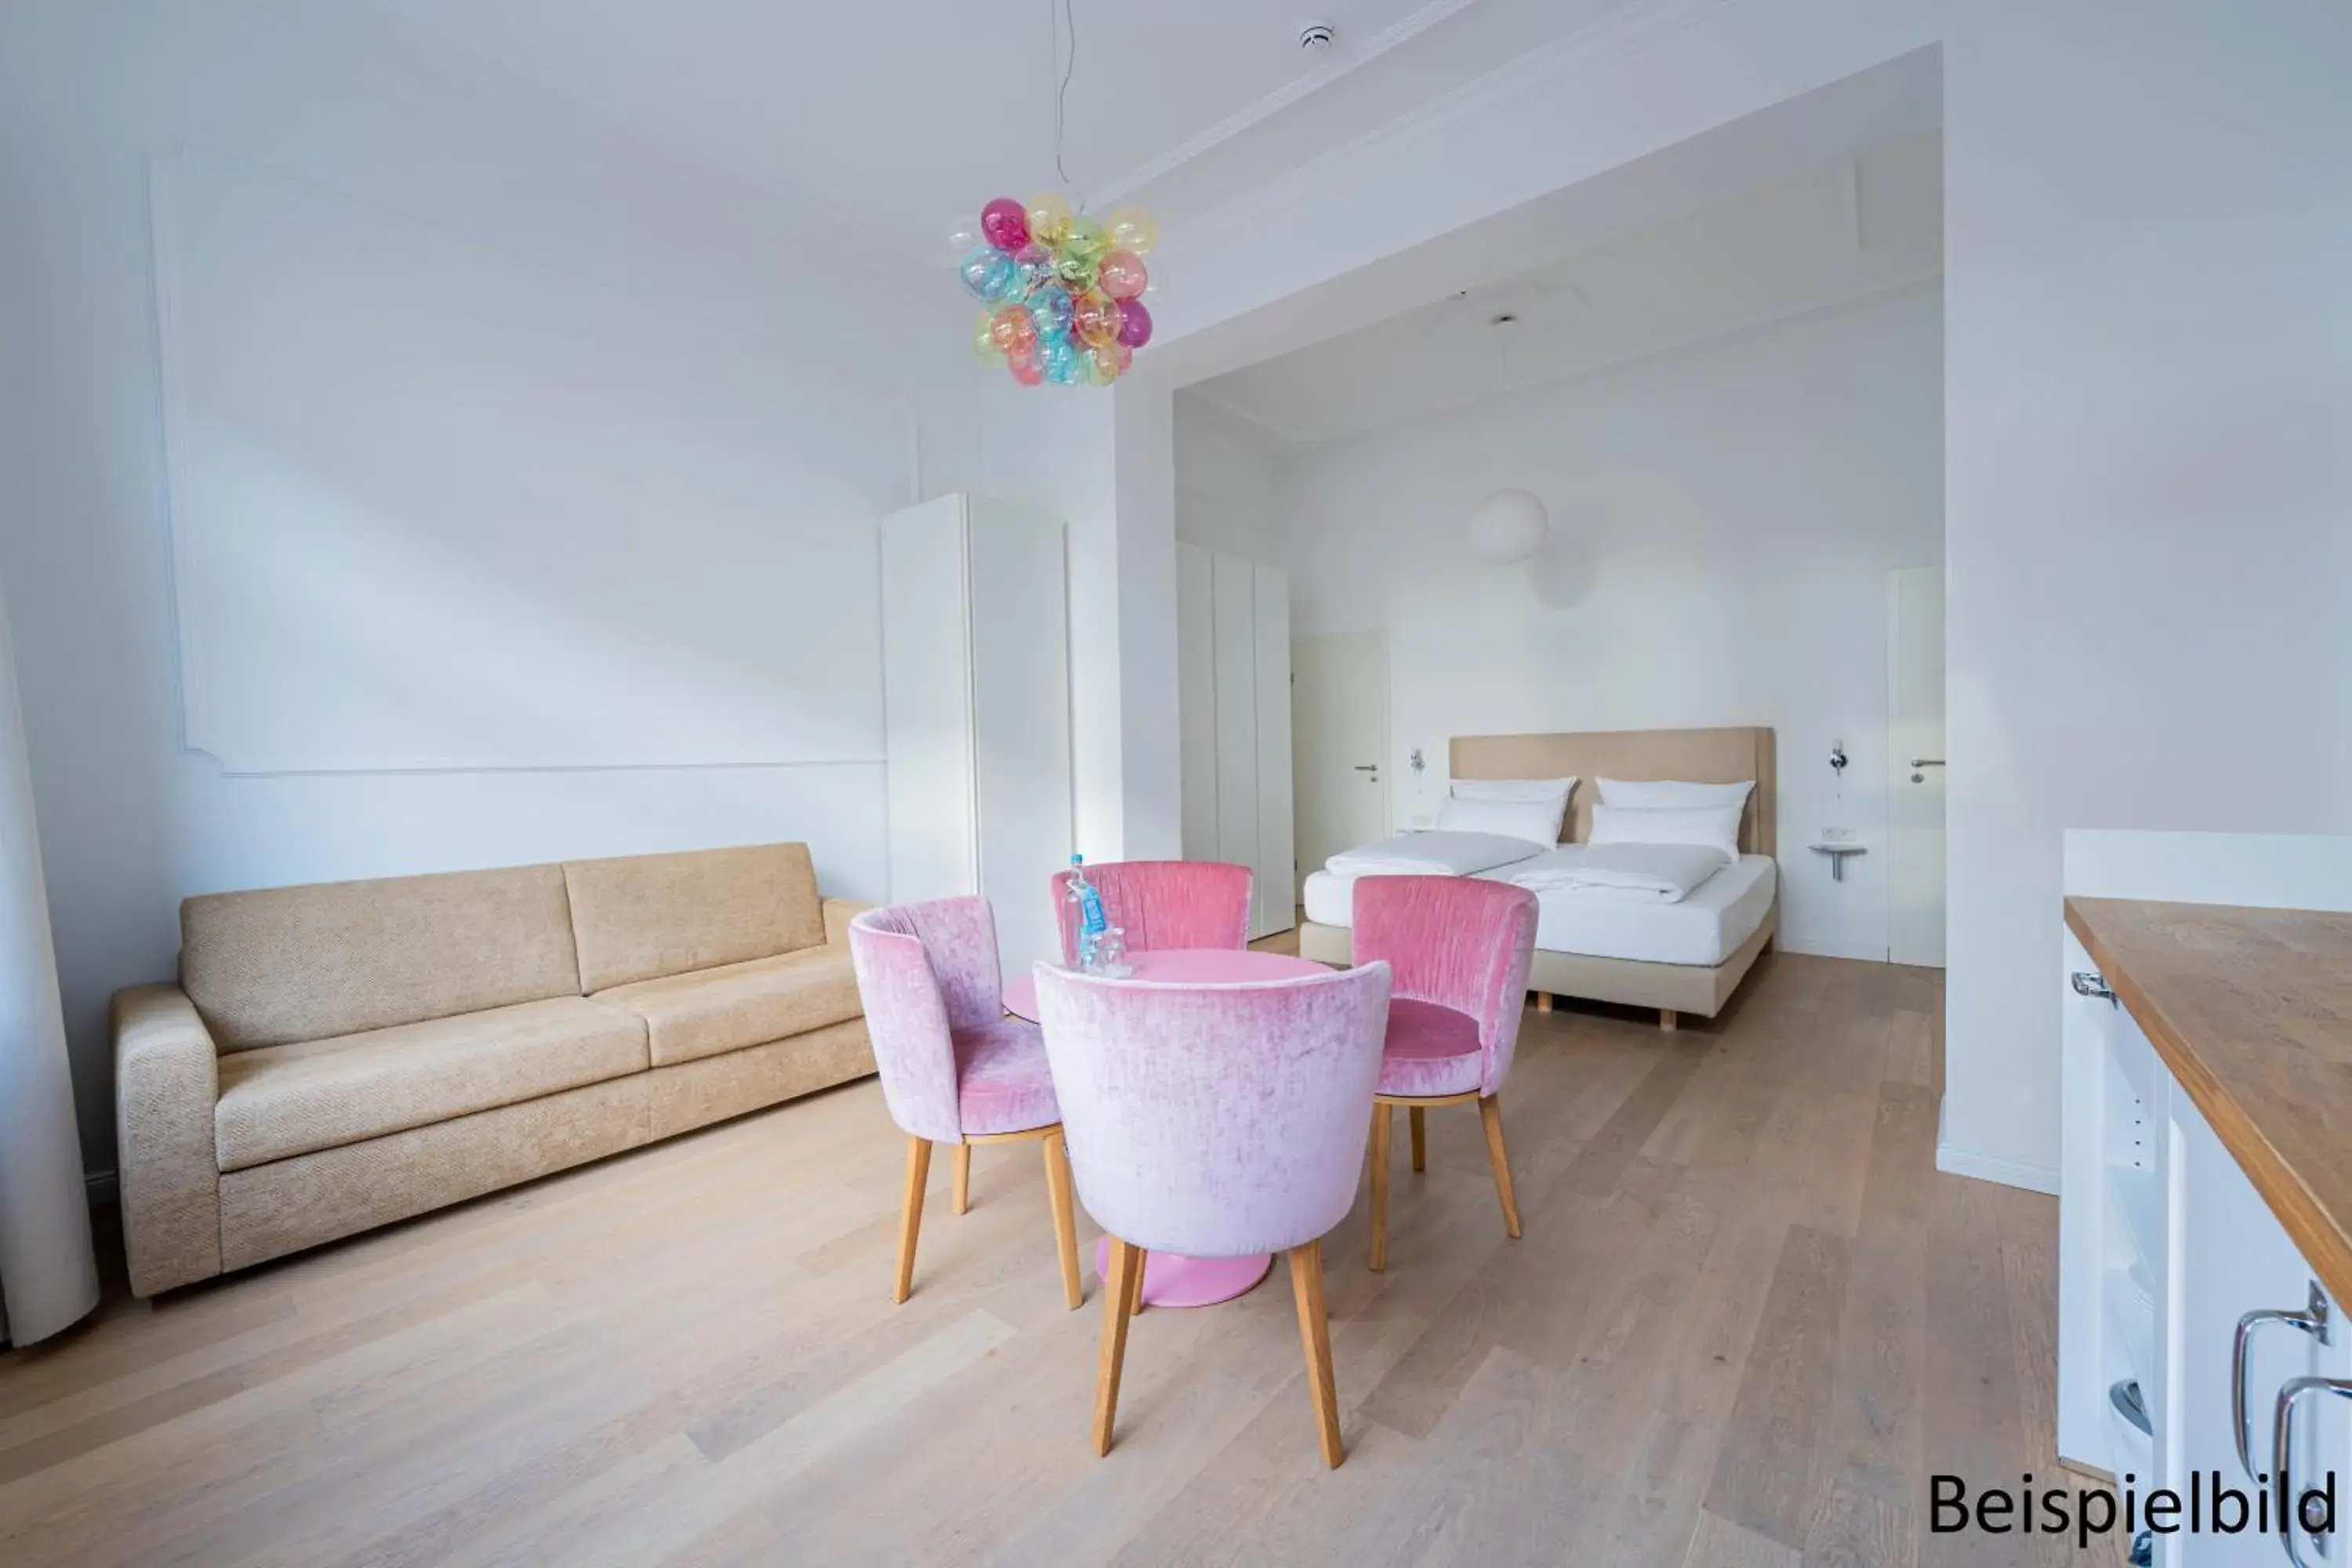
(49, 1277)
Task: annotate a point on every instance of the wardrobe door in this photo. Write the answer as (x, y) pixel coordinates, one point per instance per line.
(1274, 865)
(1196, 697)
(1235, 621)
(927, 706)
(1021, 723)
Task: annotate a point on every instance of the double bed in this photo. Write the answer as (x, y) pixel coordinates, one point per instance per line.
(1685, 956)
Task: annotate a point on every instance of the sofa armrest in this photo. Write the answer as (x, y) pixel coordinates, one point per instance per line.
(166, 1083)
(838, 913)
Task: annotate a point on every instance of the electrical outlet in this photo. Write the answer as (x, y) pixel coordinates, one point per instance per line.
(1424, 820)
(1837, 834)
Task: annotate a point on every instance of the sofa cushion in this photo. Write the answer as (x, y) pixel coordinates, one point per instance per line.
(711, 1010)
(272, 967)
(647, 915)
(282, 1100)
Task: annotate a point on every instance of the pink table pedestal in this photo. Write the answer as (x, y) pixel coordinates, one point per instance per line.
(1171, 1279)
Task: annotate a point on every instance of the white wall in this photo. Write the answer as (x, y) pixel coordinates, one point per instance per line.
(2147, 379)
(1723, 521)
(1226, 483)
(351, 102)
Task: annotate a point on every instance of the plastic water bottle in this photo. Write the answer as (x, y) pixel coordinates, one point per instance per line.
(1091, 923)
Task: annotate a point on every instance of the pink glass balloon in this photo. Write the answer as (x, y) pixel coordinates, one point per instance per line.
(1027, 372)
(1006, 224)
(1122, 275)
(1097, 320)
(1134, 323)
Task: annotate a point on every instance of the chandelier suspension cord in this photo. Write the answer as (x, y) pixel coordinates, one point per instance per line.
(1068, 22)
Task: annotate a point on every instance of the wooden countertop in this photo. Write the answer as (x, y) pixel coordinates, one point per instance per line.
(2251, 1009)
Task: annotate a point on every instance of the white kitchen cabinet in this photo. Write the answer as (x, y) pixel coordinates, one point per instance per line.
(2166, 1246)
(976, 716)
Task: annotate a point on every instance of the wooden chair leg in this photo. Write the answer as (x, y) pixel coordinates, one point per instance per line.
(1490, 1112)
(1315, 1338)
(910, 1223)
(1419, 1124)
(1667, 1019)
(1543, 1001)
(1066, 1225)
(1126, 1272)
(1381, 1119)
(963, 1178)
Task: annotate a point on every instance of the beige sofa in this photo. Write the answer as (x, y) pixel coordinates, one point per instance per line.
(343, 1056)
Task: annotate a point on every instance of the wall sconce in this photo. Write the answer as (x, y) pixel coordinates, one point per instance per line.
(1419, 767)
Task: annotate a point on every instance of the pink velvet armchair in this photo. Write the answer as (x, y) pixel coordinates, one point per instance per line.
(1163, 904)
(1216, 1122)
(954, 1068)
(1459, 948)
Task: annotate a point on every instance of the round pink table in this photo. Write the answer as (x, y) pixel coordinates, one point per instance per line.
(1169, 1279)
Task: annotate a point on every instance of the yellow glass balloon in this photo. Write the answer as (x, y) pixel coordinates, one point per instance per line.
(1131, 228)
(1049, 218)
(983, 341)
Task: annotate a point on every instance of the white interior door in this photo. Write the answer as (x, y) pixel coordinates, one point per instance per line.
(1915, 760)
(1339, 728)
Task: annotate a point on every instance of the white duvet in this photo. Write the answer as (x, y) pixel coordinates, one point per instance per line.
(1433, 855)
(1655, 873)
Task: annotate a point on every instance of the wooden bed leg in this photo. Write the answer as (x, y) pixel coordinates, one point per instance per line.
(1667, 1019)
(1543, 1001)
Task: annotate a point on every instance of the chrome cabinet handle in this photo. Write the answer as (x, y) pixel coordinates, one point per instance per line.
(2282, 1442)
(2312, 1320)
(2087, 984)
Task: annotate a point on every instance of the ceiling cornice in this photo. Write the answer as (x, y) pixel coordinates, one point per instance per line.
(1349, 57)
(1571, 55)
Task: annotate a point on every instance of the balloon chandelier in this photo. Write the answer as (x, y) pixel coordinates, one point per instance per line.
(1061, 294)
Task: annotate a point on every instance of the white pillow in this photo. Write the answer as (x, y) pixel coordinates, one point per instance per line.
(1536, 821)
(1671, 792)
(1514, 789)
(1714, 827)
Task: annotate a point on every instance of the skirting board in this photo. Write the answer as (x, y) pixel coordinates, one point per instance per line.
(2009, 1173)
(1827, 947)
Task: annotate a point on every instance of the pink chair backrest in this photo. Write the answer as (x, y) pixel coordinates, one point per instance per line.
(1460, 942)
(1216, 1120)
(1163, 904)
(924, 970)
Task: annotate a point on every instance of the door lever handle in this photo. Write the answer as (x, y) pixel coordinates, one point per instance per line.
(1367, 767)
(1927, 761)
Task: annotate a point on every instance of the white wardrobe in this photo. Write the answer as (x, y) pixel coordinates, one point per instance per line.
(976, 697)
(1233, 651)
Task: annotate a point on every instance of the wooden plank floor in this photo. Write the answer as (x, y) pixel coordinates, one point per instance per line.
(1747, 1321)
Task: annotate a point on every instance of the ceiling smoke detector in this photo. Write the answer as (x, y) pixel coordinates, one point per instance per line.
(1315, 38)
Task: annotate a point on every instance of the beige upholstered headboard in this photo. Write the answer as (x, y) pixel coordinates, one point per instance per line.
(1700, 756)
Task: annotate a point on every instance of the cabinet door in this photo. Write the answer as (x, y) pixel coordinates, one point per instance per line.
(1196, 697)
(1277, 869)
(2233, 1258)
(1235, 615)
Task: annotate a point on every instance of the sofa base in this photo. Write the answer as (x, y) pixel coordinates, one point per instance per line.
(286, 1205)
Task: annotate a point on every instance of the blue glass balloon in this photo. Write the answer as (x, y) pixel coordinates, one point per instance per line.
(987, 273)
(1051, 311)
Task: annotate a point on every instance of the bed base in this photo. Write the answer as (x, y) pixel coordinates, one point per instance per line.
(1673, 989)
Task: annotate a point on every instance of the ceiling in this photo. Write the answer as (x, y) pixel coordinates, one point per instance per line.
(1859, 227)
(898, 120)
